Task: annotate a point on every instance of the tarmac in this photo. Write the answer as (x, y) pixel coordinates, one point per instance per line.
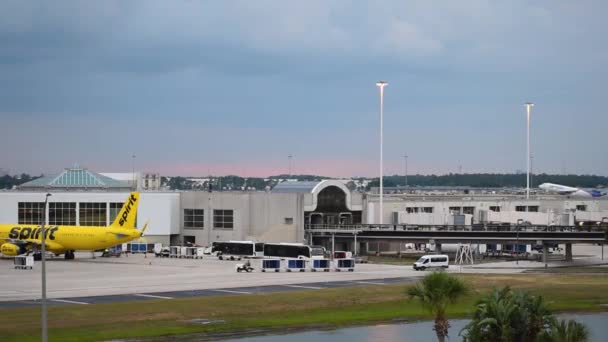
(137, 277)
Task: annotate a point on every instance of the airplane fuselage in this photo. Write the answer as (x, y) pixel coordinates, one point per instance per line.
(65, 238)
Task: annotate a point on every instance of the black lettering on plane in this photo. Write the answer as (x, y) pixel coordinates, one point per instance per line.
(125, 214)
(14, 234)
(53, 230)
(24, 233)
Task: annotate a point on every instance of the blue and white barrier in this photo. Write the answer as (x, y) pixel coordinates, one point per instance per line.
(295, 265)
(344, 265)
(321, 265)
(270, 265)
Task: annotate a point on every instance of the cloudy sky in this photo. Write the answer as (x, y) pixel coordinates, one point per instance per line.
(234, 87)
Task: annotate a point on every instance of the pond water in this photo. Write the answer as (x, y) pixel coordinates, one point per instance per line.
(420, 331)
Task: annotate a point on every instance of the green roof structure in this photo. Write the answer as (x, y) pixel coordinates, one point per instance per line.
(76, 179)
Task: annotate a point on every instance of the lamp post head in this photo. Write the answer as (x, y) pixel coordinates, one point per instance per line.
(48, 194)
(529, 104)
(381, 84)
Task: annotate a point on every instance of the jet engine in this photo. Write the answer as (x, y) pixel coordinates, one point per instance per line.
(10, 249)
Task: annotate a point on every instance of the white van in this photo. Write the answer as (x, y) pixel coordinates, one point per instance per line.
(430, 261)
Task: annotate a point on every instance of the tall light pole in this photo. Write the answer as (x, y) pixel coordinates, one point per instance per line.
(381, 85)
(133, 175)
(531, 170)
(405, 170)
(529, 106)
(289, 162)
(45, 336)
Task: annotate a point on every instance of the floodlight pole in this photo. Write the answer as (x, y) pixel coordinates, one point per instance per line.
(381, 85)
(529, 106)
(133, 175)
(45, 336)
(405, 173)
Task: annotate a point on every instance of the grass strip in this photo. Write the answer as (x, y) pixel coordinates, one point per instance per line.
(328, 308)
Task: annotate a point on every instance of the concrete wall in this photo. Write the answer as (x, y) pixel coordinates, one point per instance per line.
(258, 216)
(441, 205)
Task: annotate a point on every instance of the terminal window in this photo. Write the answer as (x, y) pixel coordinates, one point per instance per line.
(63, 214)
(455, 210)
(31, 212)
(581, 207)
(93, 214)
(223, 219)
(468, 210)
(495, 208)
(194, 218)
(114, 209)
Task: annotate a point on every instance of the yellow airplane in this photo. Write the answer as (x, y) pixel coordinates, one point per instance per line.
(23, 238)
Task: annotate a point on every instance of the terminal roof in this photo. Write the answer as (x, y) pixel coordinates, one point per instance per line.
(75, 178)
(295, 187)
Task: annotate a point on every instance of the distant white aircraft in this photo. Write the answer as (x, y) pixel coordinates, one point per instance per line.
(571, 191)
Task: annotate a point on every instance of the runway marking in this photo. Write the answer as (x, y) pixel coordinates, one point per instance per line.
(369, 283)
(231, 291)
(304, 287)
(69, 301)
(151, 296)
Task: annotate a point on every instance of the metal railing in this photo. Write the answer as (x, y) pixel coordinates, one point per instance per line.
(475, 227)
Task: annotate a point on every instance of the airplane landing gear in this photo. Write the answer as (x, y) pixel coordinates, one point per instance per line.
(69, 255)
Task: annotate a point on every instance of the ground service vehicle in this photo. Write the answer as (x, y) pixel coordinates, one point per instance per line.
(287, 250)
(431, 261)
(236, 250)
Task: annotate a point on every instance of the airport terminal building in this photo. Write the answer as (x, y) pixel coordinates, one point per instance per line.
(83, 197)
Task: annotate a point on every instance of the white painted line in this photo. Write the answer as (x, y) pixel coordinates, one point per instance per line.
(151, 296)
(304, 287)
(230, 291)
(69, 301)
(369, 283)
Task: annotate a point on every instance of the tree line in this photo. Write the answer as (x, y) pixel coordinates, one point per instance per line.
(491, 180)
(9, 182)
(232, 182)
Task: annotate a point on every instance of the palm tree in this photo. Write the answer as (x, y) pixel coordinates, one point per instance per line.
(506, 315)
(436, 291)
(492, 318)
(565, 331)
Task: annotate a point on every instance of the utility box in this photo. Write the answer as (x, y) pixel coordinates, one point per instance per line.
(24, 262)
(175, 251)
(189, 252)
